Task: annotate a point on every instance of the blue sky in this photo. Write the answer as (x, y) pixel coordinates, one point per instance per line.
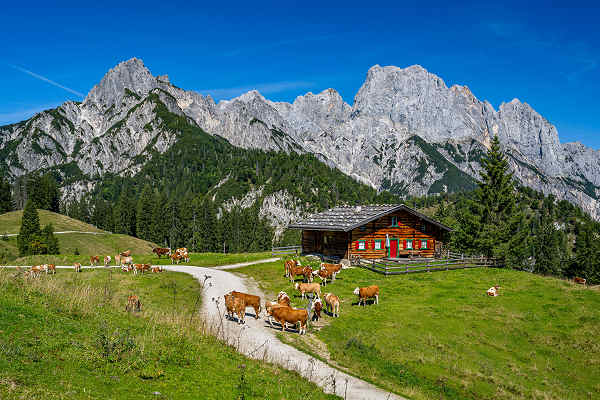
(545, 53)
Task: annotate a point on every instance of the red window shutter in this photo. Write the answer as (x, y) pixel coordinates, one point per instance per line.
(356, 245)
(373, 244)
(405, 244)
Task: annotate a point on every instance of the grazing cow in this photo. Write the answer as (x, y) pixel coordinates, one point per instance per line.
(250, 300)
(133, 303)
(580, 281)
(50, 268)
(140, 268)
(316, 308)
(161, 251)
(287, 315)
(283, 298)
(332, 302)
(157, 269)
(325, 275)
(94, 260)
(334, 268)
(289, 264)
(368, 292)
(77, 267)
(183, 253)
(125, 253)
(493, 291)
(308, 273)
(35, 271)
(107, 261)
(126, 261)
(308, 288)
(293, 272)
(175, 258)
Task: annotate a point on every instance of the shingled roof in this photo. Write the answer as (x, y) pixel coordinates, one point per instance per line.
(350, 217)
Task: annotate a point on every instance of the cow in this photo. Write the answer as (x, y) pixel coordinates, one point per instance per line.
(161, 251)
(94, 260)
(295, 271)
(118, 259)
(77, 267)
(126, 261)
(250, 300)
(493, 291)
(332, 303)
(308, 273)
(140, 268)
(334, 268)
(175, 258)
(289, 264)
(283, 298)
(133, 303)
(107, 261)
(50, 268)
(235, 305)
(368, 292)
(308, 288)
(157, 269)
(269, 306)
(316, 308)
(325, 275)
(287, 315)
(183, 253)
(125, 253)
(229, 309)
(580, 281)
(35, 271)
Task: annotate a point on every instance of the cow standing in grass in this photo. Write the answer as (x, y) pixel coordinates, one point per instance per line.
(94, 260)
(107, 260)
(77, 267)
(332, 303)
(316, 308)
(368, 292)
(50, 269)
(161, 251)
(308, 288)
(133, 304)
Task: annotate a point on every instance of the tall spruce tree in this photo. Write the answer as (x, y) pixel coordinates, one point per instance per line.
(50, 240)
(30, 229)
(501, 222)
(145, 206)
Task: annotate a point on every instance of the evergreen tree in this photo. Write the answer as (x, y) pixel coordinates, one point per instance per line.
(30, 229)
(6, 200)
(145, 207)
(501, 223)
(50, 240)
(547, 248)
(586, 263)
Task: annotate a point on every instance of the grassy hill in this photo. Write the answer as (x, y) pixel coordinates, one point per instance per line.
(95, 241)
(437, 335)
(68, 337)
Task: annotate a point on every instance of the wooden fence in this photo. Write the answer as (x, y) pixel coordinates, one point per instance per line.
(398, 267)
(286, 250)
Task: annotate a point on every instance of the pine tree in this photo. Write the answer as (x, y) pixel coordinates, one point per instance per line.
(586, 263)
(501, 223)
(50, 240)
(30, 229)
(6, 200)
(145, 206)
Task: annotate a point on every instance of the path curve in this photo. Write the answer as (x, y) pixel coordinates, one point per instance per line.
(257, 340)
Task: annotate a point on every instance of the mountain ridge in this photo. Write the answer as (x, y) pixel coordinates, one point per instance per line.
(369, 140)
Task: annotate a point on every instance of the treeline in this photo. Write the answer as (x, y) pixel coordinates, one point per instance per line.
(32, 239)
(42, 190)
(522, 227)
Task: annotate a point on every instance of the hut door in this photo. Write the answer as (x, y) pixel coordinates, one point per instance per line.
(393, 248)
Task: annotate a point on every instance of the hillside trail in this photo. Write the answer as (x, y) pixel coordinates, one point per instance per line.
(257, 340)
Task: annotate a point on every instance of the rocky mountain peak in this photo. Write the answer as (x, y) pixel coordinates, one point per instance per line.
(131, 74)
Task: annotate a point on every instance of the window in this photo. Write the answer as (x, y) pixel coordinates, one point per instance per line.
(378, 245)
(394, 221)
(362, 245)
(409, 244)
(423, 244)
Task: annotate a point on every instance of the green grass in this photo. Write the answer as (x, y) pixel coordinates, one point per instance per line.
(68, 337)
(11, 222)
(196, 259)
(437, 335)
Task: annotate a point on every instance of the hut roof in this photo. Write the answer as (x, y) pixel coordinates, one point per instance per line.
(347, 218)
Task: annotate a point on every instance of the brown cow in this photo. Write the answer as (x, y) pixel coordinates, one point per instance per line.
(229, 309)
(308, 288)
(580, 281)
(325, 275)
(368, 292)
(250, 300)
(161, 251)
(316, 308)
(50, 268)
(35, 271)
(175, 257)
(157, 269)
(94, 260)
(133, 303)
(118, 259)
(332, 303)
(293, 272)
(140, 268)
(107, 261)
(235, 305)
(289, 264)
(77, 267)
(287, 315)
(125, 253)
(283, 298)
(334, 268)
(126, 261)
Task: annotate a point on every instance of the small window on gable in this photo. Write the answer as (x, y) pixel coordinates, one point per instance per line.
(394, 221)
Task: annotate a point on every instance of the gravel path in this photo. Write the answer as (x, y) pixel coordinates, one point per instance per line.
(256, 339)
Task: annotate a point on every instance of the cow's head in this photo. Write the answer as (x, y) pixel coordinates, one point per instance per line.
(356, 291)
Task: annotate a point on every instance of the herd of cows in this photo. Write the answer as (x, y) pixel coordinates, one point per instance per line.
(281, 311)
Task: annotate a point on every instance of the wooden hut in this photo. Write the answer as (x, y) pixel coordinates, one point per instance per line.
(373, 231)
